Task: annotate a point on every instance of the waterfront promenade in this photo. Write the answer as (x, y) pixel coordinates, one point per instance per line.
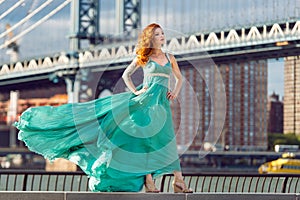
(142, 196)
(31, 185)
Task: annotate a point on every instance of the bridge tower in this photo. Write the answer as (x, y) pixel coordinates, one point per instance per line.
(85, 23)
(85, 27)
(128, 14)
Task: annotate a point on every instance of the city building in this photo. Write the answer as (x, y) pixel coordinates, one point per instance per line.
(275, 114)
(291, 95)
(6, 134)
(244, 106)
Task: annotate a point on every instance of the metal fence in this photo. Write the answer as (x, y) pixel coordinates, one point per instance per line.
(12, 180)
(237, 183)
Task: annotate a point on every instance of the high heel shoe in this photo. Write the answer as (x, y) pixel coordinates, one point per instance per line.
(150, 187)
(180, 187)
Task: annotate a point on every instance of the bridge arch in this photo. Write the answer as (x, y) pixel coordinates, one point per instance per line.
(47, 62)
(32, 64)
(174, 44)
(192, 42)
(104, 54)
(121, 52)
(253, 34)
(275, 31)
(5, 69)
(232, 37)
(19, 67)
(86, 56)
(212, 40)
(296, 28)
(63, 59)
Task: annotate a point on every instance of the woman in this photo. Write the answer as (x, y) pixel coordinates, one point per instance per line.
(123, 141)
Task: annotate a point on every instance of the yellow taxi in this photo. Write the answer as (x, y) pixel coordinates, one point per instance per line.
(286, 164)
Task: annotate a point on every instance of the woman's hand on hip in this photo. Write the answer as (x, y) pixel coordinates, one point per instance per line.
(141, 91)
(171, 95)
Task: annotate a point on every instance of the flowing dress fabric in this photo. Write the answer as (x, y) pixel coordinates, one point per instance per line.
(115, 140)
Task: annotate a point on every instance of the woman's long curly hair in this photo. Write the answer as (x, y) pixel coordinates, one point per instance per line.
(144, 46)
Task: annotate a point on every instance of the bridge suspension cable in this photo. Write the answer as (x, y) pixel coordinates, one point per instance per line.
(34, 4)
(25, 19)
(53, 12)
(11, 8)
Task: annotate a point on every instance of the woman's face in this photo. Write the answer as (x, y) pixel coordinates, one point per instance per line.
(158, 38)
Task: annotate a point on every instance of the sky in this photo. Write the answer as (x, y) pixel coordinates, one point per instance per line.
(177, 16)
(276, 77)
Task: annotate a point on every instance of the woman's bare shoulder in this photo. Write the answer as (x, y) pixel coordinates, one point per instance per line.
(135, 62)
(171, 57)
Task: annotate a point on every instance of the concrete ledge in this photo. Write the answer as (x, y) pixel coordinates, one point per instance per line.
(32, 195)
(145, 196)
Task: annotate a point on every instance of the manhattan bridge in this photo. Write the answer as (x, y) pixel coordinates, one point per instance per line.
(222, 50)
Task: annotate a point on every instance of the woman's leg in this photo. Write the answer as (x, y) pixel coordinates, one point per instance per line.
(178, 175)
(149, 184)
(149, 178)
(179, 185)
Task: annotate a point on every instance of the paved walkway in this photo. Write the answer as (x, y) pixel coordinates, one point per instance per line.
(142, 196)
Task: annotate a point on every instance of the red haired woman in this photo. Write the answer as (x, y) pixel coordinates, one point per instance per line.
(157, 67)
(122, 141)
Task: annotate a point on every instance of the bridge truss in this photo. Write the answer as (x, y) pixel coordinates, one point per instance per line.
(274, 41)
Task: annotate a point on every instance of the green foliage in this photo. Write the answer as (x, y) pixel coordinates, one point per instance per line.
(279, 138)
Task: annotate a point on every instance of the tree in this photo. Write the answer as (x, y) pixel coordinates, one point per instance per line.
(278, 138)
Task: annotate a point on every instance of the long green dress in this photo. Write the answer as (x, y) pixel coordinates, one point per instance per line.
(115, 140)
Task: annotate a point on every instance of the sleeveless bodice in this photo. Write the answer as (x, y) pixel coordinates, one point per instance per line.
(154, 67)
(155, 73)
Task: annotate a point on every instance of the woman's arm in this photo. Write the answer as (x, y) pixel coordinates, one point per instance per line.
(127, 77)
(178, 77)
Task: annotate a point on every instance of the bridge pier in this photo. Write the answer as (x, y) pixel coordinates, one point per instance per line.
(72, 85)
(71, 80)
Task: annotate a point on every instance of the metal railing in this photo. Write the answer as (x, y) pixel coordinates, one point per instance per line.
(16, 180)
(237, 183)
